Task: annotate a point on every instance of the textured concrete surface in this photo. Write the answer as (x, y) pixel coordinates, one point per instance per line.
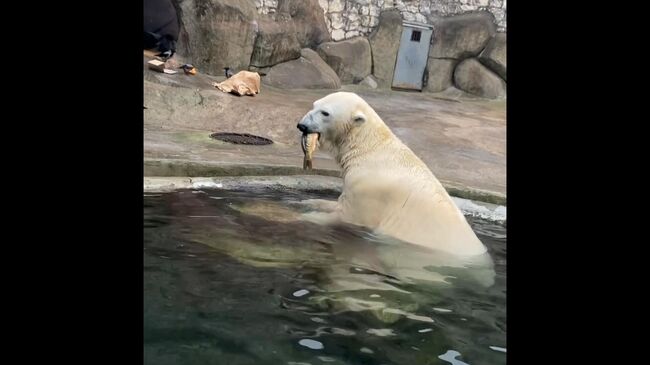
(462, 139)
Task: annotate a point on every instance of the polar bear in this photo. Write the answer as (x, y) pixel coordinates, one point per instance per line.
(386, 187)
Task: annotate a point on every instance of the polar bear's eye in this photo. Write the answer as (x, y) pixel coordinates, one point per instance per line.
(325, 113)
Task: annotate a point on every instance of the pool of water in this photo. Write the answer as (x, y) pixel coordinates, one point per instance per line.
(236, 277)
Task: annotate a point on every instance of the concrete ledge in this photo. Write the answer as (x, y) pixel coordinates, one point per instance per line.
(175, 167)
(169, 175)
(325, 184)
(465, 192)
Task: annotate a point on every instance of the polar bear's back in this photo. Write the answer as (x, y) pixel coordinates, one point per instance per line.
(397, 194)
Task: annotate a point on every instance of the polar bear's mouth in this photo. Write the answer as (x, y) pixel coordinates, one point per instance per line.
(309, 135)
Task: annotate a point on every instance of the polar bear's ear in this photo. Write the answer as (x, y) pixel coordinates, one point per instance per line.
(359, 117)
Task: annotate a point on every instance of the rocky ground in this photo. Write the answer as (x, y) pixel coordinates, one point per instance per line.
(461, 138)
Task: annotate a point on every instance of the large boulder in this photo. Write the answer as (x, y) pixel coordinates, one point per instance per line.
(462, 36)
(307, 72)
(160, 17)
(276, 42)
(369, 82)
(217, 33)
(350, 59)
(161, 25)
(308, 20)
(384, 42)
(472, 77)
(494, 55)
(440, 74)
(230, 33)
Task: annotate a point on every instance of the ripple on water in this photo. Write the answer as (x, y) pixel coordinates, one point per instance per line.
(497, 348)
(381, 332)
(450, 357)
(300, 293)
(312, 344)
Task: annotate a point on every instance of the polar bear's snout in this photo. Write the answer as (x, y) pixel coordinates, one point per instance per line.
(303, 128)
(307, 125)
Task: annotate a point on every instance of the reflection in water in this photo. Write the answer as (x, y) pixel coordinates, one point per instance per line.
(312, 344)
(239, 278)
(450, 356)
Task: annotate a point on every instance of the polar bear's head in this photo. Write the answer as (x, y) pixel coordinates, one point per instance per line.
(339, 117)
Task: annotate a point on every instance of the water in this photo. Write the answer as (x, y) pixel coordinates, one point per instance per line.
(236, 278)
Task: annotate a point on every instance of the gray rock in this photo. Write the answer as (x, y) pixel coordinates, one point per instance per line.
(462, 36)
(230, 33)
(260, 70)
(384, 42)
(440, 74)
(307, 72)
(350, 59)
(472, 77)
(276, 42)
(308, 21)
(217, 33)
(370, 81)
(494, 55)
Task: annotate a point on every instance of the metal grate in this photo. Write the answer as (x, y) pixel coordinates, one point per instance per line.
(241, 138)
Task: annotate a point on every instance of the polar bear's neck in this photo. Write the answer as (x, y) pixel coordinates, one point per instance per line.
(356, 144)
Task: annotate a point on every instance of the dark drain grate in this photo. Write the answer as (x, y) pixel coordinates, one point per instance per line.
(241, 138)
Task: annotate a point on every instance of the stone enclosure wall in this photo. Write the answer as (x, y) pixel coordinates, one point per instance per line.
(350, 18)
(326, 43)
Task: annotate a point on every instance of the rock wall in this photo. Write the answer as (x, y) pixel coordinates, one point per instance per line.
(357, 40)
(237, 34)
(350, 18)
